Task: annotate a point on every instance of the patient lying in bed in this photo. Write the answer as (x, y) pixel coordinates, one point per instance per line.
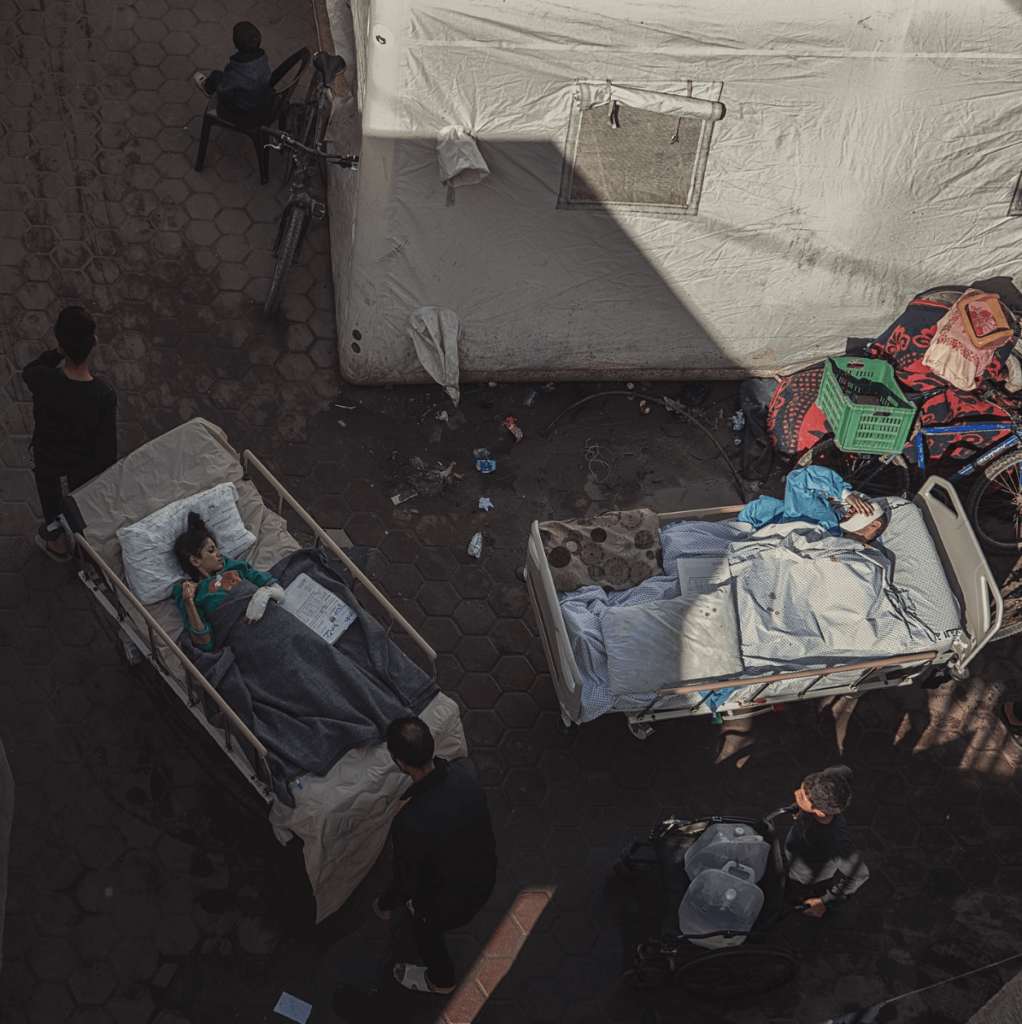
(818, 495)
(802, 597)
(212, 577)
(307, 699)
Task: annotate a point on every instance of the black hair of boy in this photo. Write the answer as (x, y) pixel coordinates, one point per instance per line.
(827, 791)
(409, 740)
(75, 331)
(246, 37)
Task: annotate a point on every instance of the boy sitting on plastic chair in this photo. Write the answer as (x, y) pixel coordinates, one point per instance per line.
(244, 84)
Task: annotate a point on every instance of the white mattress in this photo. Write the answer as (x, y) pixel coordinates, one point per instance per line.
(918, 573)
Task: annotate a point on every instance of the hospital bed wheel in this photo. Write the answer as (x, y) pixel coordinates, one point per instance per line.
(645, 977)
(640, 730)
(959, 675)
(865, 473)
(737, 971)
(994, 506)
(566, 728)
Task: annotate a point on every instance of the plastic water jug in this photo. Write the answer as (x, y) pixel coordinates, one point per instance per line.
(717, 901)
(725, 843)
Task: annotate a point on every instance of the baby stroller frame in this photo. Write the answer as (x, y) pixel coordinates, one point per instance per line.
(730, 971)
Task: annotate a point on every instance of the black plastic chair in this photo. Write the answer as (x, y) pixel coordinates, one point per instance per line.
(275, 109)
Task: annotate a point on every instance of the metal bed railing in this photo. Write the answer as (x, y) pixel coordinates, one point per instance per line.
(711, 683)
(322, 537)
(193, 676)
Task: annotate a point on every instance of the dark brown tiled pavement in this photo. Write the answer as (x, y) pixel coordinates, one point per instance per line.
(145, 884)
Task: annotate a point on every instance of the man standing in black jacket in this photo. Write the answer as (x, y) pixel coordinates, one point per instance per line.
(445, 856)
(75, 415)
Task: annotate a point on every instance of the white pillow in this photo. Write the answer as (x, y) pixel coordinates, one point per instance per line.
(148, 545)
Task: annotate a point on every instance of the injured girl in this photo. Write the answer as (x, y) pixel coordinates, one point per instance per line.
(212, 577)
(308, 700)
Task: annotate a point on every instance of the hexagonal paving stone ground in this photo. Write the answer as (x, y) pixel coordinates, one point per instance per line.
(145, 884)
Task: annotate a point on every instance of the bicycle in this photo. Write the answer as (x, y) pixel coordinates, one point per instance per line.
(306, 157)
(994, 503)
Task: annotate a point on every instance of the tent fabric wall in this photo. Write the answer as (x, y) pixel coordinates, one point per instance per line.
(869, 151)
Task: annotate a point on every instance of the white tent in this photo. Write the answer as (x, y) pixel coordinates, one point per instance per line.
(869, 150)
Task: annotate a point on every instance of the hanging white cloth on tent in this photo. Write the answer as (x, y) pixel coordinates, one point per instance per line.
(435, 332)
(461, 163)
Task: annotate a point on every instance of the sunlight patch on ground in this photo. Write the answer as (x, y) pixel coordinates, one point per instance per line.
(496, 959)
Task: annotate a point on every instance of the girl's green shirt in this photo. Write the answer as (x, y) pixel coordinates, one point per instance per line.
(206, 600)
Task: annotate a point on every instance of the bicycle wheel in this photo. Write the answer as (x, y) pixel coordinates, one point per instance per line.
(737, 971)
(995, 506)
(285, 252)
(865, 473)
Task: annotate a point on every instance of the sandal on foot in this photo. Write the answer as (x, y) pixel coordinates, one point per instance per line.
(57, 556)
(1014, 731)
(414, 977)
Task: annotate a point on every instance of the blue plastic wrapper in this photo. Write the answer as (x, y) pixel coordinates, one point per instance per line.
(486, 465)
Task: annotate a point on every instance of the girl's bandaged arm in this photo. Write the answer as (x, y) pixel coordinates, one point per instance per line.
(257, 605)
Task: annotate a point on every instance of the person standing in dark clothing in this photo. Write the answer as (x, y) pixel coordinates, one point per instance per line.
(445, 854)
(824, 865)
(75, 414)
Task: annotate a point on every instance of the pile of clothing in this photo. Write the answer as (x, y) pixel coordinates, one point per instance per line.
(931, 350)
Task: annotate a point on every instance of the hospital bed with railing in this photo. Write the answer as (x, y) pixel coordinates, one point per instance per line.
(341, 816)
(940, 576)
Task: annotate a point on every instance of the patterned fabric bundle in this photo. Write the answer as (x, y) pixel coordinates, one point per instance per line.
(952, 354)
(795, 423)
(615, 550)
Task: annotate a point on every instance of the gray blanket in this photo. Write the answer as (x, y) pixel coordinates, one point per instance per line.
(308, 701)
(807, 599)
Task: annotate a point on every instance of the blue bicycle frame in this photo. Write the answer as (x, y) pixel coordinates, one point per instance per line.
(981, 427)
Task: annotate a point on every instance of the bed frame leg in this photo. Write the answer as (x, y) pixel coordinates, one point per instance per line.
(566, 727)
(640, 730)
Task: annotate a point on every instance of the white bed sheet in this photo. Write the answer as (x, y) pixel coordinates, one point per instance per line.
(918, 572)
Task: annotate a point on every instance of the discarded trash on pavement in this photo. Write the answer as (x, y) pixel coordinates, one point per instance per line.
(475, 546)
(485, 504)
(530, 397)
(402, 496)
(511, 426)
(486, 465)
(480, 453)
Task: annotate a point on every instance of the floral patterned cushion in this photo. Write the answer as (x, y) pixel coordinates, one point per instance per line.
(615, 550)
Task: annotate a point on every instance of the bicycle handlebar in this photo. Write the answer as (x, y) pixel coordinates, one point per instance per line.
(283, 139)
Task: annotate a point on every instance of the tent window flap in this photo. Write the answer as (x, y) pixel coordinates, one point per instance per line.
(636, 149)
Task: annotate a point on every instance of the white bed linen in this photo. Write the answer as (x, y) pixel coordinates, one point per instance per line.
(918, 573)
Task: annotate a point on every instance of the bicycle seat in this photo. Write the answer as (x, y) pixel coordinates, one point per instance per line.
(329, 65)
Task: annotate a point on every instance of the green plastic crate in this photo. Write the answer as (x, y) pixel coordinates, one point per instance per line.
(864, 406)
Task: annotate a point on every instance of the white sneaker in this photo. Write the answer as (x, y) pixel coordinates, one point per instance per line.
(200, 82)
